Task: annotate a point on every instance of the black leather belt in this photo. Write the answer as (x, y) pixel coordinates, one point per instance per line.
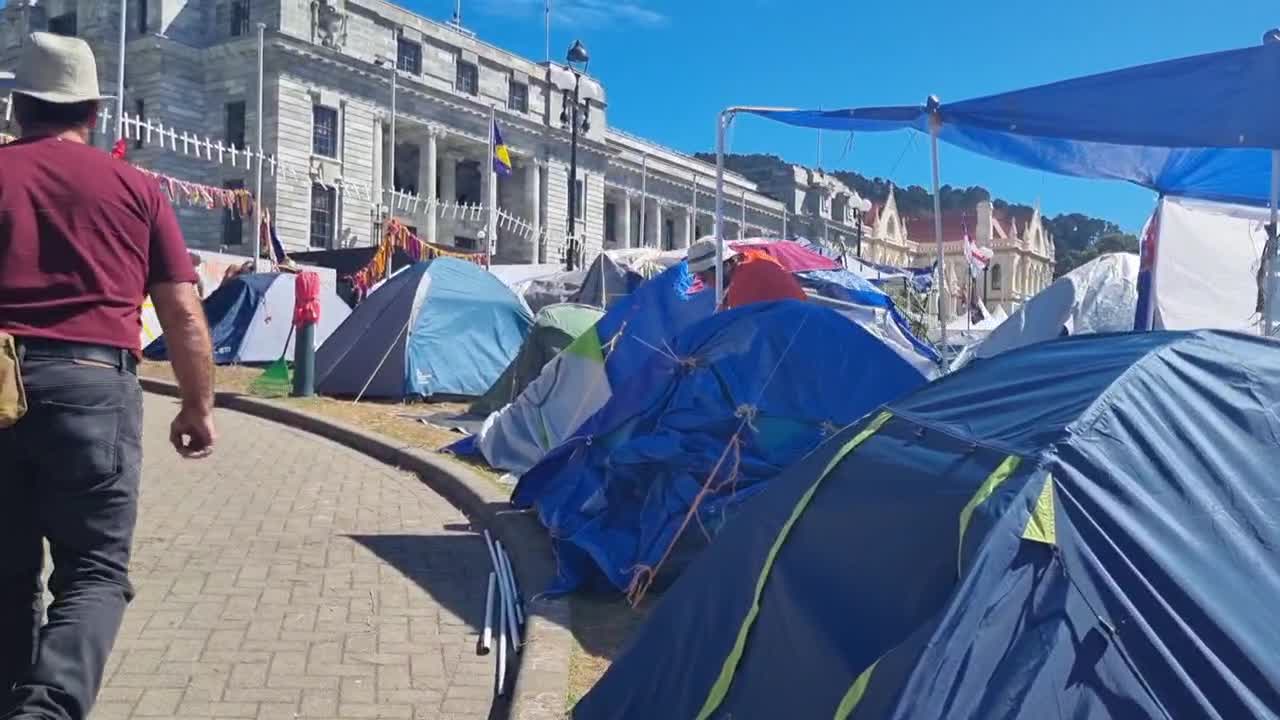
(36, 349)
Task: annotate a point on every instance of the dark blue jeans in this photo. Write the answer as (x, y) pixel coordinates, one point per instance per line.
(69, 474)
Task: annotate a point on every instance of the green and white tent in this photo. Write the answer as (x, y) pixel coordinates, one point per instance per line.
(554, 328)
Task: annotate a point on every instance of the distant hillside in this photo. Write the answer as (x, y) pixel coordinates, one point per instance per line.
(1078, 238)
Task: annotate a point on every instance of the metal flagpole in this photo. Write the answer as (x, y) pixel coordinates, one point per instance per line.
(935, 124)
(395, 72)
(124, 37)
(968, 303)
(257, 182)
(392, 165)
(547, 12)
(722, 126)
(1273, 262)
(491, 197)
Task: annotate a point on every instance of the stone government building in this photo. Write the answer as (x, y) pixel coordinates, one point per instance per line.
(192, 67)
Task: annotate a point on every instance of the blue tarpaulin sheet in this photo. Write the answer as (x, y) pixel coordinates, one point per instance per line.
(1200, 126)
(779, 377)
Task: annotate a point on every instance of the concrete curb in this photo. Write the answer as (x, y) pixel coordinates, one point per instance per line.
(541, 685)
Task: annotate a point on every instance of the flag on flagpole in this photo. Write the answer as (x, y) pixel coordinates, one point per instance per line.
(501, 154)
(978, 257)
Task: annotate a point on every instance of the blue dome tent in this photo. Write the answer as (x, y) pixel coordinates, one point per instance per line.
(251, 319)
(764, 383)
(445, 327)
(1081, 528)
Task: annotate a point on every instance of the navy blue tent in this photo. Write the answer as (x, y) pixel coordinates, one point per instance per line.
(251, 319)
(728, 404)
(1199, 126)
(1084, 528)
(444, 327)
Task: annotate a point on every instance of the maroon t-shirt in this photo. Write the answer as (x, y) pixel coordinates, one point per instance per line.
(83, 236)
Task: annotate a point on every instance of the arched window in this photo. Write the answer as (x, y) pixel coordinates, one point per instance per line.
(995, 276)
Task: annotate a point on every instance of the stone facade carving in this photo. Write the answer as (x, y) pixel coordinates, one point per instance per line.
(329, 23)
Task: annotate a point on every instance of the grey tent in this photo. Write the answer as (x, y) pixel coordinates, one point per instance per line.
(554, 327)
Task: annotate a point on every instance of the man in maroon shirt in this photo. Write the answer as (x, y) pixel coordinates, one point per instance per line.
(83, 239)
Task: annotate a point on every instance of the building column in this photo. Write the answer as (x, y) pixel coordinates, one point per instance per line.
(431, 170)
(686, 230)
(653, 225)
(533, 200)
(380, 139)
(448, 192)
(624, 221)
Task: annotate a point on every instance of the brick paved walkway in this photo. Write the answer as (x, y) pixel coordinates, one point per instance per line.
(289, 577)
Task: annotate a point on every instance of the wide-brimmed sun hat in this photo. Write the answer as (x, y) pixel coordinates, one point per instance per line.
(702, 255)
(57, 69)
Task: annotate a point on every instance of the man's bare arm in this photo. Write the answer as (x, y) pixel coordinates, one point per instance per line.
(186, 334)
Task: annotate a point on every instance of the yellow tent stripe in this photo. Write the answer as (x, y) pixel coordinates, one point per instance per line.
(859, 688)
(985, 490)
(721, 686)
(1042, 525)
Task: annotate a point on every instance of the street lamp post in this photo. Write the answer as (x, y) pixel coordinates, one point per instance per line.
(862, 207)
(569, 115)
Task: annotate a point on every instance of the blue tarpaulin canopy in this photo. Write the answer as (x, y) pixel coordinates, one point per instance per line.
(1200, 126)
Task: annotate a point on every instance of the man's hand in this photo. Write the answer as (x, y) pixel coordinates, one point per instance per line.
(193, 434)
(190, 354)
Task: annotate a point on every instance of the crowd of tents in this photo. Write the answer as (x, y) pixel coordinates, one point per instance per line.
(810, 478)
(1065, 519)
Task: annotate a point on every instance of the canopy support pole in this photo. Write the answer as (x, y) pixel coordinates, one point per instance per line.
(1149, 252)
(1272, 286)
(722, 127)
(935, 124)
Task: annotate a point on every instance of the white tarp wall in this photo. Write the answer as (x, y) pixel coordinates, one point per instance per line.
(1209, 255)
(270, 334)
(213, 267)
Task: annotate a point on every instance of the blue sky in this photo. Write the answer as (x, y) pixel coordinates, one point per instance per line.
(670, 65)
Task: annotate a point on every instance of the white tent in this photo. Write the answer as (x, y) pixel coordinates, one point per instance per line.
(1210, 254)
(1099, 296)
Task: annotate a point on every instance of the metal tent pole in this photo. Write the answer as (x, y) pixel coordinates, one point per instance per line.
(257, 182)
(1273, 262)
(722, 126)
(935, 124)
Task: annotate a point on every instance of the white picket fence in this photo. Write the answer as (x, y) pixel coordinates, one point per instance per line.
(154, 134)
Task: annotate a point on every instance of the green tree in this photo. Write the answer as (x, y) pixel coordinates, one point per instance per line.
(1077, 238)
